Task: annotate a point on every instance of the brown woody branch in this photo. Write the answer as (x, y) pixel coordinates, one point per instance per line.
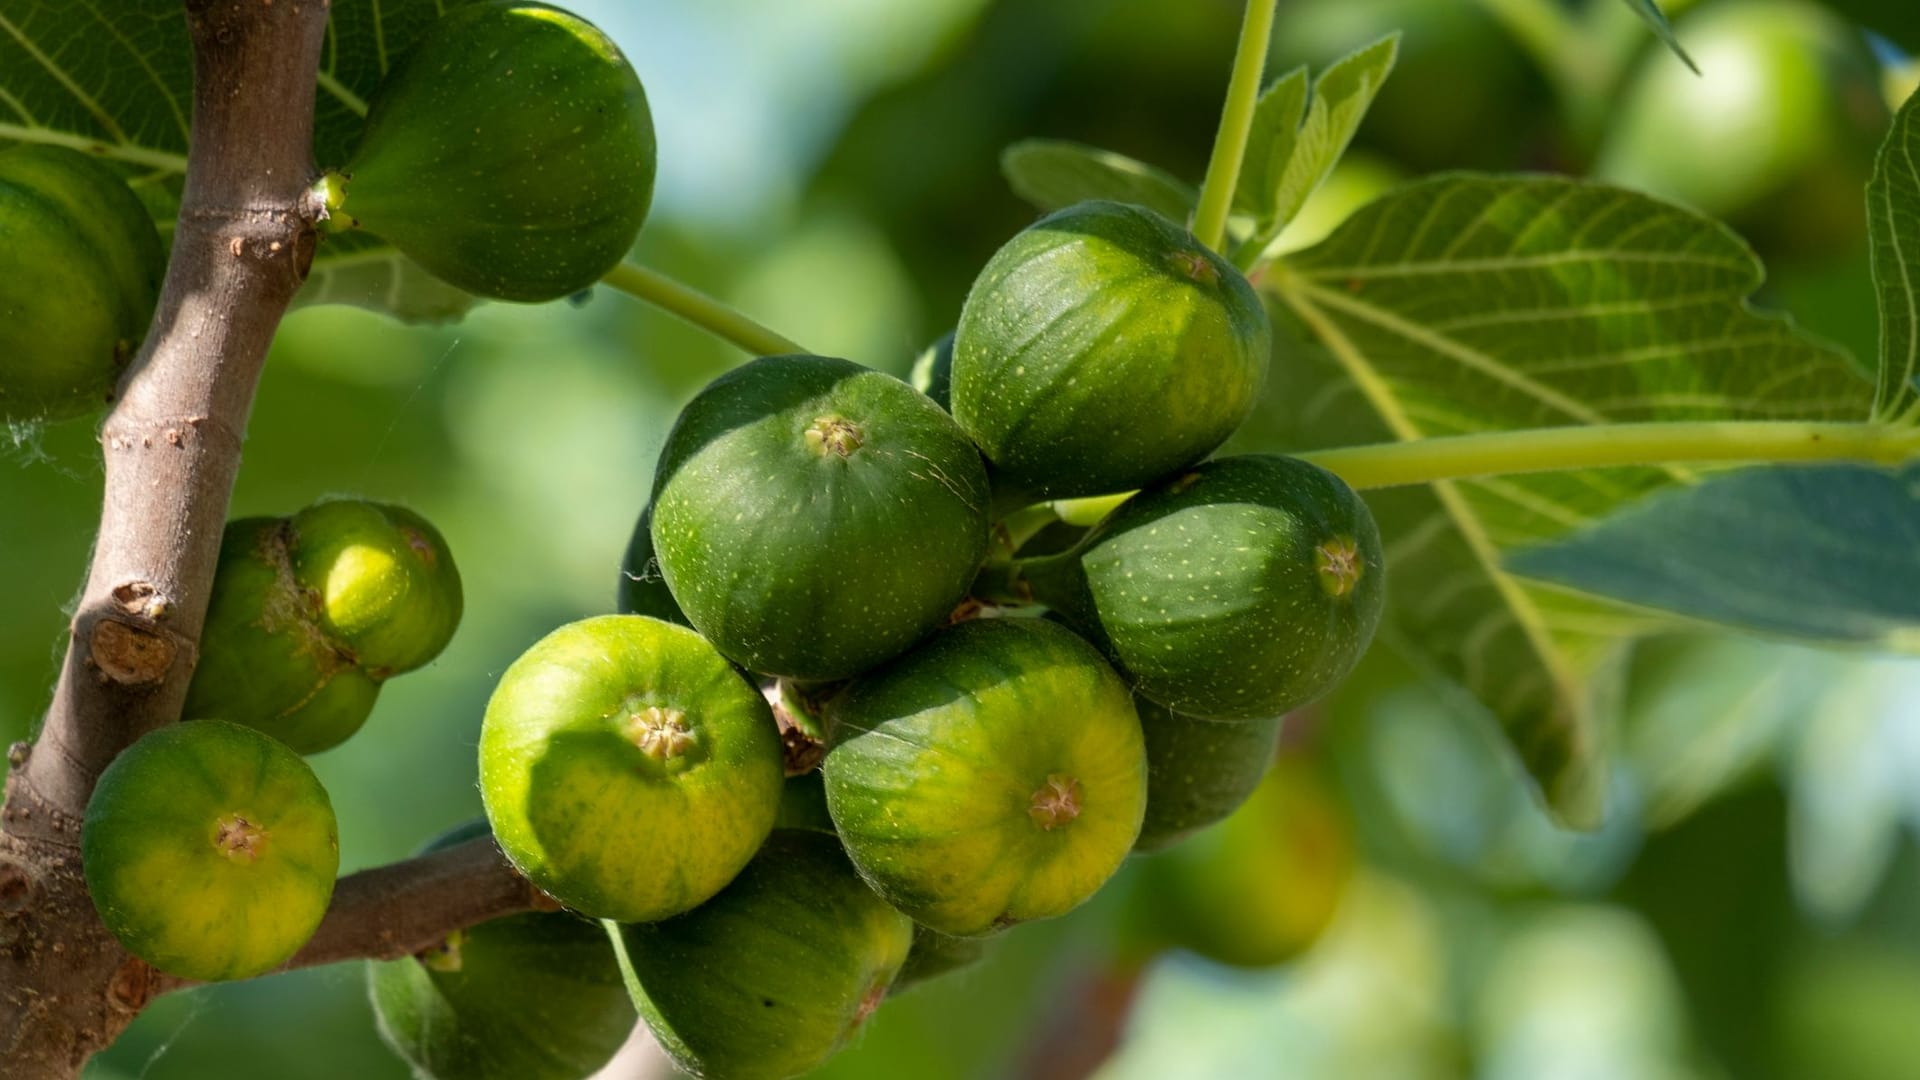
(172, 442)
(406, 907)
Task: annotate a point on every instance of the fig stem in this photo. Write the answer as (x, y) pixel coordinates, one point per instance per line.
(1673, 442)
(1236, 123)
(653, 287)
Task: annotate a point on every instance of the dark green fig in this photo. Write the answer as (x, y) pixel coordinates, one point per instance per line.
(533, 996)
(775, 974)
(932, 372)
(1198, 771)
(643, 590)
(80, 269)
(1262, 886)
(1239, 590)
(511, 153)
(385, 582)
(935, 954)
(1104, 348)
(210, 850)
(814, 517)
(994, 774)
(627, 768)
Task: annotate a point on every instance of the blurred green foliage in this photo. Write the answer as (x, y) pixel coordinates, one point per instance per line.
(1751, 909)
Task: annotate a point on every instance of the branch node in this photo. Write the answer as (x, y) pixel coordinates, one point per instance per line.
(131, 987)
(129, 655)
(16, 888)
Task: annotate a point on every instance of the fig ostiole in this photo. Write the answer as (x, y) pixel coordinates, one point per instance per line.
(80, 269)
(511, 153)
(994, 774)
(813, 517)
(628, 768)
(210, 850)
(1103, 348)
(772, 976)
(533, 996)
(1237, 590)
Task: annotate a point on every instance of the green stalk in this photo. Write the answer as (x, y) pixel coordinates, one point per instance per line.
(1236, 121)
(1689, 442)
(697, 308)
(1600, 446)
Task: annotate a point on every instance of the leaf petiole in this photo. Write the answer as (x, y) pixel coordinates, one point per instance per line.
(697, 308)
(1236, 122)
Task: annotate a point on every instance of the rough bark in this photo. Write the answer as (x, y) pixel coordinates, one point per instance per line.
(172, 443)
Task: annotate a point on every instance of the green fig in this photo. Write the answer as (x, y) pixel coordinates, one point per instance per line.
(310, 615)
(932, 372)
(814, 517)
(1198, 771)
(627, 768)
(511, 153)
(935, 954)
(994, 774)
(1239, 590)
(210, 850)
(384, 579)
(1104, 348)
(776, 973)
(80, 269)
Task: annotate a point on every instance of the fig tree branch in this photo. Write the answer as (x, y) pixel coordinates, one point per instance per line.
(1236, 123)
(699, 309)
(399, 909)
(172, 441)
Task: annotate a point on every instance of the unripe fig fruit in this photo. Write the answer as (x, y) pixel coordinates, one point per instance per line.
(932, 372)
(627, 768)
(210, 850)
(935, 954)
(643, 589)
(814, 517)
(1239, 590)
(511, 153)
(1262, 886)
(80, 269)
(1198, 771)
(994, 774)
(1103, 348)
(772, 976)
(534, 996)
(303, 607)
(385, 581)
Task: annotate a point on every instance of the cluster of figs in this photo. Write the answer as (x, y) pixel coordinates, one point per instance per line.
(868, 700)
